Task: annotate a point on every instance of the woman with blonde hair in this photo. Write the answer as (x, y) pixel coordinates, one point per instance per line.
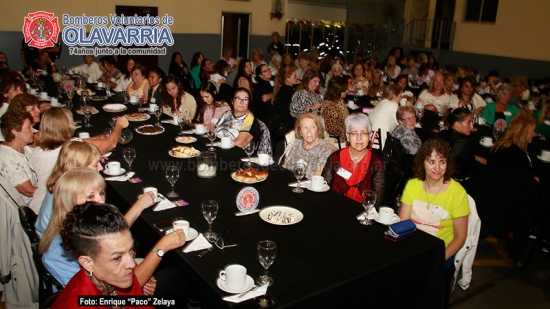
(435, 95)
(542, 116)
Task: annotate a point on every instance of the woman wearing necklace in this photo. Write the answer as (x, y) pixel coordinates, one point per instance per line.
(436, 203)
(467, 97)
(356, 168)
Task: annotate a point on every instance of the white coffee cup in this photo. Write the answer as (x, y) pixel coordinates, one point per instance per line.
(153, 190)
(133, 99)
(54, 102)
(90, 80)
(182, 225)
(113, 168)
(225, 142)
(175, 120)
(360, 92)
(487, 141)
(272, 83)
(545, 155)
(318, 182)
(263, 159)
(351, 104)
(234, 276)
(43, 95)
(152, 107)
(83, 135)
(32, 91)
(481, 121)
(385, 215)
(200, 129)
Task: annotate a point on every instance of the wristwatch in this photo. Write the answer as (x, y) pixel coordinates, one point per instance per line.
(159, 252)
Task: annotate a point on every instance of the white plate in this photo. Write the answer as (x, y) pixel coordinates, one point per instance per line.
(186, 139)
(94, 111)
(44, 99)
(298, 215)
(149, 125)
(138, 119)
(122, 171)
(192, 234)
(202, 133)
(247, 286)
(324, 189)
(485, 145)
(540, 158)
(98, 98)
(394, 220)
(186, 157)
(232, 145)
(233, 175)
(255, 161)
(114, 108)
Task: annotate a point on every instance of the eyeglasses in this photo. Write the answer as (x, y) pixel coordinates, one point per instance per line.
(360, 135)
(241, 100)
(409, 119)
(221, 244)
(266, 70)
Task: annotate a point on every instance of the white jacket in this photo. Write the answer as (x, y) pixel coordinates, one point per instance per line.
(466, 255)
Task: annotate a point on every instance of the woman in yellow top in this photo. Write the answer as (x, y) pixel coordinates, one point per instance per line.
(139, 87)
(175, 101)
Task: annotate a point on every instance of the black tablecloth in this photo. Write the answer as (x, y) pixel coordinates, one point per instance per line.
(326, 260)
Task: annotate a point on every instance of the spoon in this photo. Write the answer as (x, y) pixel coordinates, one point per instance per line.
(254, 288)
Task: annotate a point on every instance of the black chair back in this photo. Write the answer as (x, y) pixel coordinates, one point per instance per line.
(394, 184)
(377, 139)
(393, 150)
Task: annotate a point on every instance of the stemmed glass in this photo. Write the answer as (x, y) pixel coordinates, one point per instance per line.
(158, 113)
(211, 134)
(209, 212)
(126, 96)
(369, 199)
(87, 111)
(181, 123)
(497, 132)
(299, 173)
(70, 95)
(60, 90)
(129, 156)
(249, 149)
(267, 252)
(41, 84)
(108, 89)
(172, 175)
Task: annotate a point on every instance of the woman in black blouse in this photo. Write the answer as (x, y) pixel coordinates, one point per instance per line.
(179, 68)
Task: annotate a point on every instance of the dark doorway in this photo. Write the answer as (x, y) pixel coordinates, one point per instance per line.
(235, 34)
(150, 62)
(443, 28)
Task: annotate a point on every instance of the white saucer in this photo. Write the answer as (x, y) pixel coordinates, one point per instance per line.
(485, 145)
(395, 219)
(324, 189)
(192, 234)
(232, 145)
(247, 286)
(122, 171)
(44, 99)
(202, 133)
(540, 158)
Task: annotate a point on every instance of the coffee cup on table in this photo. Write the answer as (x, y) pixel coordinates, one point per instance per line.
(360, 92)
(263, 159)
(152, 107)
(225, 142)
(83, 135)
(234, 276)
(545, 155)
(481, 121)
(43, 95)
(200, 129)
(153, 190)
(32, 91)
(54, 102)
(318, 182)
(487, 141)
(133, 99)
(385, 215)
(182, 225)
(113, 168)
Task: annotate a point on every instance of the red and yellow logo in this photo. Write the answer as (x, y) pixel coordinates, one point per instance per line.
(41, 29)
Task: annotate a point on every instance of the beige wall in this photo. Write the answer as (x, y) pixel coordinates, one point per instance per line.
(520, 31)
(191, 16)
(311, 12)
(416, 9)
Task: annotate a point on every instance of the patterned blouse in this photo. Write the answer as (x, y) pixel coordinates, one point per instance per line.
(16, 168)
(302, 99)
(335, 114)
(408, 138)
(212, 116)
(316, 156)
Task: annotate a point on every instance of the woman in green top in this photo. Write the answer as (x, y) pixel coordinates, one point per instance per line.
(542, 116)
(196, 62)
(500, 109)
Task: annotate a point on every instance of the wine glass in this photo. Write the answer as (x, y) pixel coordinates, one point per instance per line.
(368, 201)
(108, 88)
(41, 84)
(209, 212)
(126, 136)
(211, 134)
(87, 111)
(181, 123)
(267, 252)
(158, 113)
(129, 156)
(299, 173)
(69, 103)
(60, 90)
(126, 96)
(172, 175)
(497, 132)
(249, 149)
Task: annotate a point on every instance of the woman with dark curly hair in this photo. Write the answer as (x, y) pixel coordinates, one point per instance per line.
(175, 101)
(436, 203)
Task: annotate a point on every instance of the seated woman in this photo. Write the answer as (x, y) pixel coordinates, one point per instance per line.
(11, 84)
(263, 93)
(404, 132)
(239, 124)
(211, 107)
(356, 168)
(44, 63)
(244, 76)
(309, 94)
(361, 78)
(179, 68)
(334, 110)
(139, 87)
(15, 166)
(110, 72)
(377, 85)
(196, 62)
(275, 64)
(125, 79)
(383, 115)
(74, 188)
(542, 116)
(309, 146)
(450, 83)
(156, 76)
(282, 97)
(435, 95)
(392, 70)
(101, 242)
(175, 101)
(467, 97)
(500, 109)
(206, 70)
(436, 203)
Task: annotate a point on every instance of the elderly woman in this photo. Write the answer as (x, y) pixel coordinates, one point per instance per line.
(309, 145)
(404, 132)
(15, 166)
(211, 107)
(139, 87)
(500, 109)
(435, 95)
(356, 168)
(111, 74)
(257, 55)
(467, 97)
(542, 116)
(309, 95)
(175, 101)
(436, 203)
(275, 64)
(334, 110)
(377, 85)
(99, 240)
(240, 124)
(383, 115)
(303, 62)
(361, 78)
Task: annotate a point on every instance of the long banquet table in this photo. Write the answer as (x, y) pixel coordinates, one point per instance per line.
(327, 260)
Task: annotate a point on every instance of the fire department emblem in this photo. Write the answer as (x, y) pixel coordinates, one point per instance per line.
(41, 29)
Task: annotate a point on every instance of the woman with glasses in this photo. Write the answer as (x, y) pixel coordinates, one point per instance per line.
(356, 168)
(404, 132)
(239, 124)
(263, 93)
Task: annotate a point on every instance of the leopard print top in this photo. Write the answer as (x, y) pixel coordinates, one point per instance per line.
(335, 114)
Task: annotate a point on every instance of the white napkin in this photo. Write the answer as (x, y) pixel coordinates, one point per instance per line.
(163, 205)
(124, 177)
(251, 294)
(303, 183)
(372, 214)
(200, 243)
